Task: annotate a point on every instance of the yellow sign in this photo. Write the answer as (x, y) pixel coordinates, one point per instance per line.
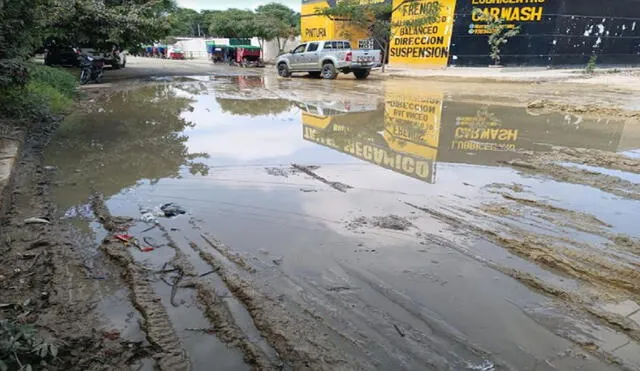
(413, 166)
(513, 11)
(426, 45)
(316, 27)
(415, 119)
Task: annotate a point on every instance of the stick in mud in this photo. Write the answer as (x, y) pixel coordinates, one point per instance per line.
(335, 185)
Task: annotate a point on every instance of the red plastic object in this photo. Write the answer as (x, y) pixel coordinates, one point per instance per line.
(123, 237)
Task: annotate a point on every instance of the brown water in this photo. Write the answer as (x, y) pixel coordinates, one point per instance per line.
(418, 290)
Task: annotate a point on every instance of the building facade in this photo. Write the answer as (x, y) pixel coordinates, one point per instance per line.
(552, 32)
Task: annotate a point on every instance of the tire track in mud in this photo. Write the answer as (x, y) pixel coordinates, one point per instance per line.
(159, 330)
(226, 329)
(301, 347)
(226, 252)
(540, 253)
(585, 266)
(160, 333)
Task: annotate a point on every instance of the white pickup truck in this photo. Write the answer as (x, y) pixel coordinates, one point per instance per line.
(327, 58)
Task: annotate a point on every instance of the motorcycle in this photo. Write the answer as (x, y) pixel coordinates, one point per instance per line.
(92, 69)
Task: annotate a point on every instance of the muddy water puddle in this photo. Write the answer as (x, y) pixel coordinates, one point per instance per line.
(388, 229)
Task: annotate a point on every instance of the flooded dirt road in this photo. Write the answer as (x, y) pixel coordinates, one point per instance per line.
(308, 224)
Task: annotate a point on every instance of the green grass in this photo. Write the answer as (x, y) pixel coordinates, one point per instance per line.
(48, 91)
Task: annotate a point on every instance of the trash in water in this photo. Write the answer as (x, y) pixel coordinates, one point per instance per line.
(36, 221)
(123, 237)
(171, 210)
(128, 239)
(486, 365)
(112, 335)
(148, 218)
(83, 211)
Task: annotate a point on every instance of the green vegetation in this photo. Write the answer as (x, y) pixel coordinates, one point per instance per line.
(21, 348)
(48, 91)
(271, 21)
(268, 22)
(376, 18)
(591, 65)
(32, 92)
(499, 33)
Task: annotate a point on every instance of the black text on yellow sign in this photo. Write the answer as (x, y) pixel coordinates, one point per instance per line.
(425, 44)
(511, 11)
(412, 166)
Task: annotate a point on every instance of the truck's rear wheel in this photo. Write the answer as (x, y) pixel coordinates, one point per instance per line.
(329, 71)
(283, 70)
(361, 74)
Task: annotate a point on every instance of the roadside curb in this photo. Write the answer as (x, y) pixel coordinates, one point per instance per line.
(9, 150)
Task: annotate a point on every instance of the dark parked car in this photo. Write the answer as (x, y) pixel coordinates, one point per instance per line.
(63, 55)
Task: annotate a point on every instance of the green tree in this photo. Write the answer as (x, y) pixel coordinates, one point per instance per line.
(233, 23)
(279, 22)
(187, 22)
(376, 18)
(499, 33)
(125, 22)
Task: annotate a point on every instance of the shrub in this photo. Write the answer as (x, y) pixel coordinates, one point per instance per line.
(48, 91)
(61, 80)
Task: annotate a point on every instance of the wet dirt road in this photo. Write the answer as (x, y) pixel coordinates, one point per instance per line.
(348, 225)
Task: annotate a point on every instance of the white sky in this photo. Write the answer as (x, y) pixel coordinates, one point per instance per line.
(239, 4)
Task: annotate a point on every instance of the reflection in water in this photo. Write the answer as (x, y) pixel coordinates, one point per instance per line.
(133, 135)
(254, 107)
(411, 132)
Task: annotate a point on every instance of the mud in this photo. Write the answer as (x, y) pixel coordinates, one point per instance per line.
(392, 222)
(599, 110)
(301, 347)
(466, 254)
(42, 265)
(592, 157)
(169, 353)
(607, 183)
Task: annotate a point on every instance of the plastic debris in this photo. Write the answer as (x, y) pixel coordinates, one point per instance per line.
(148, 218)
(36, 221)
(128, 239)
(112, 335)
(171, 210)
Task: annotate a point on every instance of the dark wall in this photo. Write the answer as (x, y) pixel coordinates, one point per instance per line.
(568, 33)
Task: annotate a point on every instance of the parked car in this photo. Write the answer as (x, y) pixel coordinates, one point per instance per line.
(175, 53)
(327, 58)
(110, 54)
(62, 55)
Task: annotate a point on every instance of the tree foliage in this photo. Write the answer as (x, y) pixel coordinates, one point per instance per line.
(376, 18)
(277, 21)
(499, 33)
(26, 24)
(187, 22)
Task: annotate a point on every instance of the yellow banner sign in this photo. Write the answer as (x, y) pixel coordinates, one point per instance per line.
(426, 45)
(315, 27)
(414, 118)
